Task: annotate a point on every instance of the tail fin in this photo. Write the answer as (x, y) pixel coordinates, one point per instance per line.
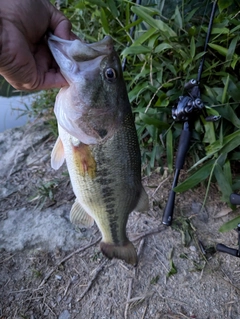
(125, 252)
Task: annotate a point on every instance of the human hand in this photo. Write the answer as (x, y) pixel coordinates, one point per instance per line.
(25, 59)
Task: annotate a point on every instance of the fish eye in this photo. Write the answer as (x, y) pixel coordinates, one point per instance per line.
(110, 74)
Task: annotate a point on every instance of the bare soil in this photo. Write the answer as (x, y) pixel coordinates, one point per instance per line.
(175, 277)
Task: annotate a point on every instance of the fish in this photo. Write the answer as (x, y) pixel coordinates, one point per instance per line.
(98, 140)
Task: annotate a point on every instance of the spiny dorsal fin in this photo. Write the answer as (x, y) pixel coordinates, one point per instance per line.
(79, 217)
(57, 155)
(143, 202)
(125, 252)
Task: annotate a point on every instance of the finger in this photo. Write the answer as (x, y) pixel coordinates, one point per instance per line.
(59, 24)
(53, 80)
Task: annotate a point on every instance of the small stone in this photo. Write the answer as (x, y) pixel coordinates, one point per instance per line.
(46, 313)
(59, 298)
(193, 248)
(58, 277)
(64, 315)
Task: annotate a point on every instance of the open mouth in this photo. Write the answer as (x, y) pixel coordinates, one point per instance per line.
(78, 50)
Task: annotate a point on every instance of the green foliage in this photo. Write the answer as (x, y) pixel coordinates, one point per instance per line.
(162, 54)
(42, 107)
(230, 224)
(45, 192)
(173, 270)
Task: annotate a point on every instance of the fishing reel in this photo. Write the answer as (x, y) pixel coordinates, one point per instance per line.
(235, 200)
(188, 105)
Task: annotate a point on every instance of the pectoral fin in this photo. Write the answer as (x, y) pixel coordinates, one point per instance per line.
(79, 217)
(57, 156)
(143, 203)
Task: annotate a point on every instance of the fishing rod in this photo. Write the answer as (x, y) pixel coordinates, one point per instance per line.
(186, 110)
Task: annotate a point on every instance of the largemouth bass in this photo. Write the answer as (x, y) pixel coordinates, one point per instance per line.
(98, 140)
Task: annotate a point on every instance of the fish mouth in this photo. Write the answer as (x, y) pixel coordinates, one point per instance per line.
(70, 53)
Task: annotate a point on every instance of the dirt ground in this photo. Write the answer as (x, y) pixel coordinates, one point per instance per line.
(175, 277)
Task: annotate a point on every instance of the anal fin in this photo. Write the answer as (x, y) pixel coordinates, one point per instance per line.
(78, 216)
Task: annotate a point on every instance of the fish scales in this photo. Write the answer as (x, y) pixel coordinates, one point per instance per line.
(114, 192)
(106, 172)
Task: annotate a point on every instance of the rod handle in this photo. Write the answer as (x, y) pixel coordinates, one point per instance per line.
(168, 211)
(224, 249)
(183, 147)
(235, 199)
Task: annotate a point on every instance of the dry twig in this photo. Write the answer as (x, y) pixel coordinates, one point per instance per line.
(97, 271)
(129, 299)
(66, 258)
(150, 232)
(145, 310)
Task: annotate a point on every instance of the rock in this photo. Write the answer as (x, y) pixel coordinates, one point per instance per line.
(16, 144)
(58, 277)
(45, 230)
(64, 315)
(7, 191)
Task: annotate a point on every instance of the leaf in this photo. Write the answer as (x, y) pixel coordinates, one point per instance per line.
(155, 23)
(227, 171)
(223, 4)
(219, 49)
(228, 113)
(145, 36)
(153, 156)
(228, 143)
(136, 49)
(196, 178)
(192, 47)
(217, 31)
(178, 18)
(163, 46)
(231, 51)
(209, 136)
(104, 21)
(169, 147)
(154, 280)
(223, 51)
(230, 225)
(223, 212)
(173, 269)
(223, 183)
(112, 8)
(225, 90)
(153, 121)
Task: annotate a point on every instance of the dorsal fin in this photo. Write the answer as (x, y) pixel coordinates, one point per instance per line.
(57, 155)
